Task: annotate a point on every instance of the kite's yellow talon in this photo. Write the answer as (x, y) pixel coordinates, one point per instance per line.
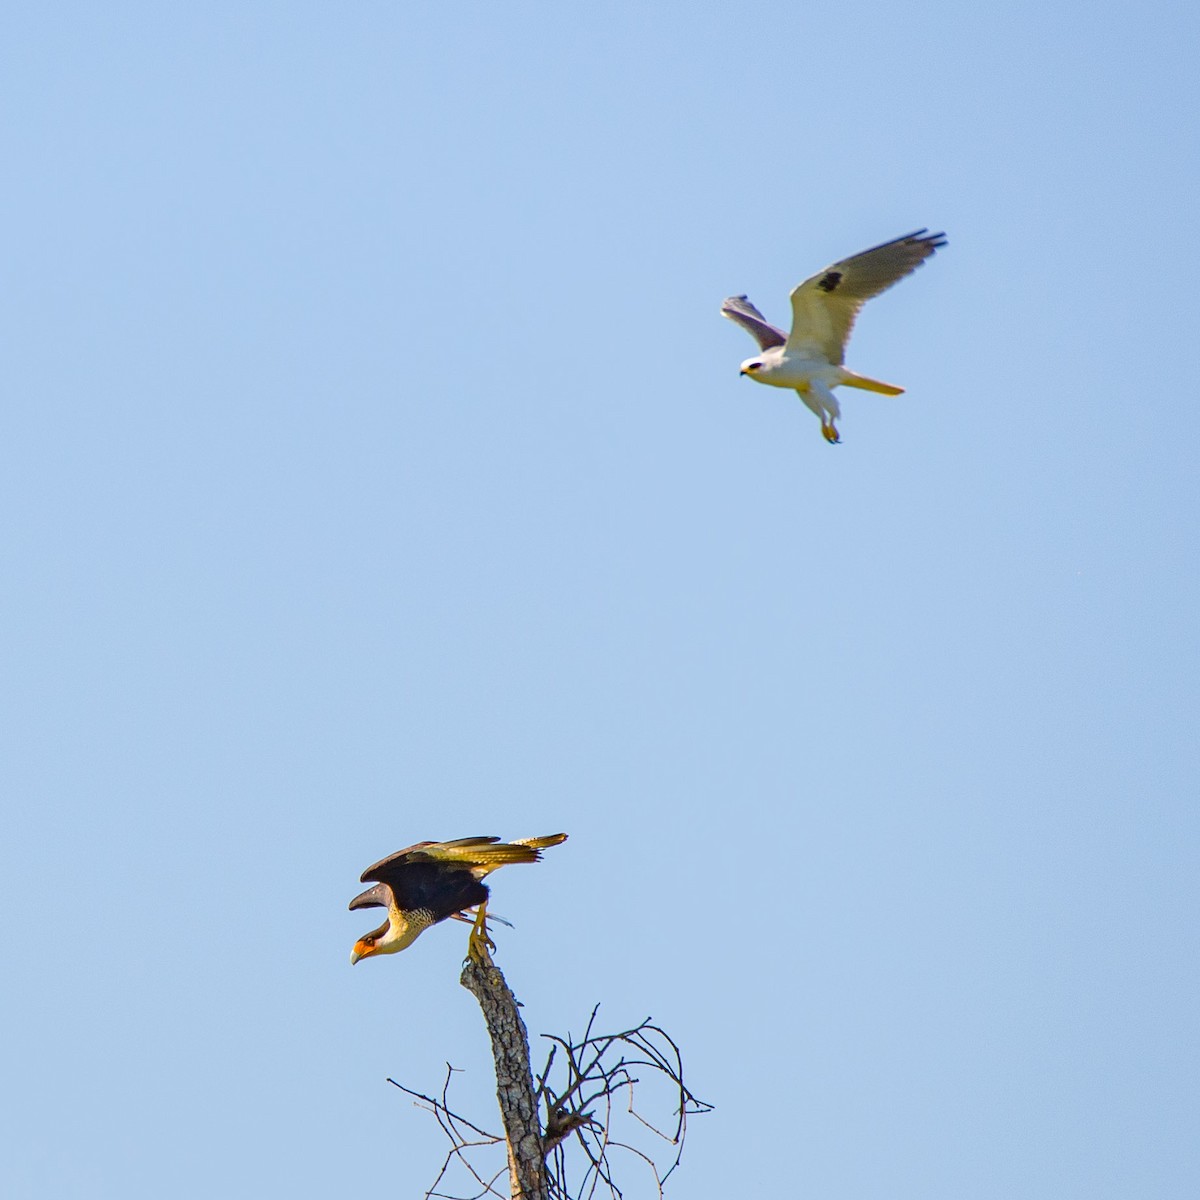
(831, 435)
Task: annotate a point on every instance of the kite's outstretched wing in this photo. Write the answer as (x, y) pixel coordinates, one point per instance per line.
(740, 310)
(825, 306)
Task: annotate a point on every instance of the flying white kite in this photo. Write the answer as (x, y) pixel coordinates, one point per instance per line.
(824, 307)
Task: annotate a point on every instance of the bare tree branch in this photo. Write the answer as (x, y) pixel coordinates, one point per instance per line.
(575, 1151)
(450, 1122)
(514, 1079)
(595, 1069)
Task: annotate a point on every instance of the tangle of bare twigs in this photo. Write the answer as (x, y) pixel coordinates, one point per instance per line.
(592, 1090)
(593, 1071)
(455, 1127)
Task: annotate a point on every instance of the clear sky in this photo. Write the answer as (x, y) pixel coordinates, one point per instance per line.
(376, 468)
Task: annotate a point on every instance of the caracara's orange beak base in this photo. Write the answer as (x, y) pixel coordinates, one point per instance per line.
(362, 949)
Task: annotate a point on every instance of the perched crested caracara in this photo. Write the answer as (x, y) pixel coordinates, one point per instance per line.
(431, 881)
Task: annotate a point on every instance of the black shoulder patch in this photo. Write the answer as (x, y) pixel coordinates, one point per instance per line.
(829, 280)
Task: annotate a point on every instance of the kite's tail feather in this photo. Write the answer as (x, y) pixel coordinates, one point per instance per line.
(871, 385)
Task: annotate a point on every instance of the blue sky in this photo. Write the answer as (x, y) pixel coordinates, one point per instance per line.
(376, 468)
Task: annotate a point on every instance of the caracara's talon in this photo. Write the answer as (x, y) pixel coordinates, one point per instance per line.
(480, 944)
(479, 950)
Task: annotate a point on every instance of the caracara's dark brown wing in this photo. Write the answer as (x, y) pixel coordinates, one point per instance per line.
(432, 888)
(479, 855)
(446, 877)
(380, 896)
(386, 869)
(425, 877)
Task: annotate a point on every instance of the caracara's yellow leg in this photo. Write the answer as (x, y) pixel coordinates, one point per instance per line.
(479, 944)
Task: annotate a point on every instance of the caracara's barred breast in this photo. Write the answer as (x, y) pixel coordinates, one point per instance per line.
(420, 919)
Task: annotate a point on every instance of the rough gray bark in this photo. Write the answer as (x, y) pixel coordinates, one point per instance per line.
(514, 1079)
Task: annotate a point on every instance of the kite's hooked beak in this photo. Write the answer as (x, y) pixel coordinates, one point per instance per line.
(742, 372)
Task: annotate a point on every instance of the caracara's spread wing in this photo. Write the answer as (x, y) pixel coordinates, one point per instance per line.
(398, 861)
(825, 306)
(380, 896)
(446, 877)
(422, 880)
(479, 855)
(739, 310)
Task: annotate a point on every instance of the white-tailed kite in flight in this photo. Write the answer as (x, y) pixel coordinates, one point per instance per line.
(824, 307)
